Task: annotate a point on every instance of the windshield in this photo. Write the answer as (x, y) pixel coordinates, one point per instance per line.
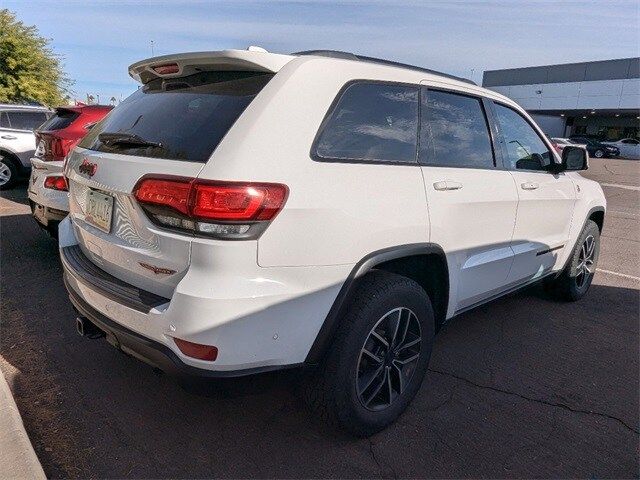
(178, 119)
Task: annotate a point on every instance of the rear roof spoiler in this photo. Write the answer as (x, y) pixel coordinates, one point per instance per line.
(190, 63)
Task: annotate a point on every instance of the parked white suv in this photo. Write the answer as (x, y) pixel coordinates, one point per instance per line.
(246, 211)
(17, 140)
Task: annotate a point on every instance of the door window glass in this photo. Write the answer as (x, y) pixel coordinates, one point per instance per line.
(454, 131)
(26, 120)
(525, 149)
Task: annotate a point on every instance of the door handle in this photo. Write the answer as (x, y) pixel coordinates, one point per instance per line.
(8, 137)
(447, 185)
(529, 185)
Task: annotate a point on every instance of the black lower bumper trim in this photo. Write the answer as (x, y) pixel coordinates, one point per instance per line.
(149, 351)
(85, 271)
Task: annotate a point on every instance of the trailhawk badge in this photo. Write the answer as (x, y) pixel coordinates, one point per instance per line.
(88, 168)
(157, 270)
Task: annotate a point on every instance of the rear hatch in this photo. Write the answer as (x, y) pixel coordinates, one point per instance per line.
(53, 139)
(170, 126)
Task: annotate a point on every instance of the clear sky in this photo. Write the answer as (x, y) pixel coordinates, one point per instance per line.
(100, 38)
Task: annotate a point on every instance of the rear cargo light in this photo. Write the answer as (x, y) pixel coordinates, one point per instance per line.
(56, 182)
(167, 69)
(196, 350)
(52, 148)
(225, 210)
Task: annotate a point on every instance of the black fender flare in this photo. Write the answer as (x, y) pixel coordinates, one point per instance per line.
(584, 224)
(366, 264)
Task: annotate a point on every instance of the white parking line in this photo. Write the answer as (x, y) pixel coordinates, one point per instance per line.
(623, 275)
(617, 185)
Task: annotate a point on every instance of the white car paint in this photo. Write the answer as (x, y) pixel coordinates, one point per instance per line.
(629, 147)
(21, 143)
(262, 302)
(49, 204)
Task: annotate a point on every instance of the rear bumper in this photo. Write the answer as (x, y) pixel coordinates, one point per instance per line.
(149, 351)
(260, 320)
(48, 206)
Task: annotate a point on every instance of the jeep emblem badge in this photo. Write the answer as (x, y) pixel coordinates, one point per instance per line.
(88, 168)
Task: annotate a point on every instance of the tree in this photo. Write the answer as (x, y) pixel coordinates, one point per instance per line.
(29, 69)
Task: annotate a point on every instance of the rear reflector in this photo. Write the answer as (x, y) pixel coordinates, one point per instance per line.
(196, 350)
(166, 69)
(56, 182)
(226, 210)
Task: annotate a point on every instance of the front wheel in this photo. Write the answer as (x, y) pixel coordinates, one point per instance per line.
(379, 356)
(598, 153)
(575, 280)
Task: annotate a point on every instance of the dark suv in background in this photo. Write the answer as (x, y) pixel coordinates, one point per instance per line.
(596, 148)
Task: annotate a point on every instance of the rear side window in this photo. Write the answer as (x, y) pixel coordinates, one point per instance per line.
(62, 119)
(525, 149)
(454, 131)
(371, 122)
(178, 119)
(26, 120)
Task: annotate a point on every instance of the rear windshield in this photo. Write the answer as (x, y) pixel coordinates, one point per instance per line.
(178, 119)
(62, 119)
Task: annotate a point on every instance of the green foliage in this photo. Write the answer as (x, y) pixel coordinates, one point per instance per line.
(29, 70)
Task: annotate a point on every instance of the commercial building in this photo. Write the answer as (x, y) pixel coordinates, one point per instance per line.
(599, 99)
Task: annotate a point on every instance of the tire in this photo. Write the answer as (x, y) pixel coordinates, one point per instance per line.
(598, 153)
(8, 173)
(338, 392)
(574, 281)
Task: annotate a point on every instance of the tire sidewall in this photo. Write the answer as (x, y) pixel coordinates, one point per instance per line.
(14, 172)
(349, 406)
(590, 229)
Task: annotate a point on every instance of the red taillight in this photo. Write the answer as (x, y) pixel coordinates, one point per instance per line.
(52, 148)
(196, 350)
(56, 182)
(168, 193)
(243, 209)
(238, 202)
(166, 69)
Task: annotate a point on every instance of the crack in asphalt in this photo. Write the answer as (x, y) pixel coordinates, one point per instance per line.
(538, 400)
(377, 462)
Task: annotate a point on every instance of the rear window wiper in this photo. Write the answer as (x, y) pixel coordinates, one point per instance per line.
(120, 138)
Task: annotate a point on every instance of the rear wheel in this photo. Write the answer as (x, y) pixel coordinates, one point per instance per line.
(8, 173)
(379, 356)
(575, 280)
(598, 153)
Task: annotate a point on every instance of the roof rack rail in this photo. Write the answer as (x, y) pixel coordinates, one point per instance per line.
(380, 61)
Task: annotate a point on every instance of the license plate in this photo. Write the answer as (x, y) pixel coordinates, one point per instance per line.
(99, 210)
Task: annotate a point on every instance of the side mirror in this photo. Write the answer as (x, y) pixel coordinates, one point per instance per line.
(575, 158)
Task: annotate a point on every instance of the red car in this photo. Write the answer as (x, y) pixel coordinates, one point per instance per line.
(54, 140)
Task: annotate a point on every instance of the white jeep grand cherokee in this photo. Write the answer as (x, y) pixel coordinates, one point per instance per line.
(246, 211)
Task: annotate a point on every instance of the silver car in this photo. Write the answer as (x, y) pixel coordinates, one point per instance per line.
(17, 140)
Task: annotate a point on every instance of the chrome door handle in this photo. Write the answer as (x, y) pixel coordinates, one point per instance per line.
(447, 185)
(8, 137)
(529, 185)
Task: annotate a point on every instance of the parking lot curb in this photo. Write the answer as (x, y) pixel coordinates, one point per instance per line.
(17, 458)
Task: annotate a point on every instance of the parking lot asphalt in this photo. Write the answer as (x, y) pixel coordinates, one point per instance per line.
(521, 387)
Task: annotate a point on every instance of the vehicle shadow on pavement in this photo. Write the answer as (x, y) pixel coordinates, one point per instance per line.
(17, 194)
(524, 386)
